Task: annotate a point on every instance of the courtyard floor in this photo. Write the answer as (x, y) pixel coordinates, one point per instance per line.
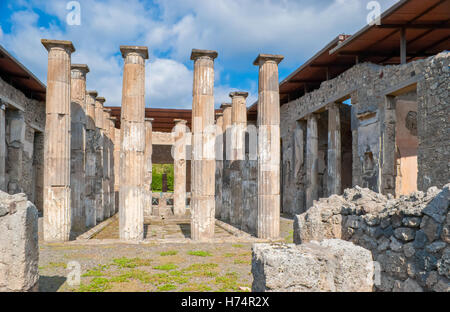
(160, 263)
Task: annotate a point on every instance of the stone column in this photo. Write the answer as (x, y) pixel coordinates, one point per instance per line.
(148, 166)
(239, 124)
(219, 164)
(57, 215)
(112, 194)
(99, 159)
(334, 150)
(91, 169)
(106, 163)
(116, 168)
(179, 157)
(226, 186)
(78, 145)
(312, 154)
(203, 139)
(2, 147)
(268, 147)
(16, 155)
(132, 149)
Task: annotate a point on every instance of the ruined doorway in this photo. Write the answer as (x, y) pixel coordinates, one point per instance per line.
(38, 171)
(406, 144)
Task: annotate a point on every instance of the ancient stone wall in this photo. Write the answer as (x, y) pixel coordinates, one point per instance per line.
(370, 87)
(19, 250)
(409, 237)
(24, 127)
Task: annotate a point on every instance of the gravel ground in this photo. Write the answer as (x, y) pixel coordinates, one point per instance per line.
(148, 267)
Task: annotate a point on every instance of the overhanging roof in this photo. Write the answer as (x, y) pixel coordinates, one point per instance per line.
(14, 73)
(427, 32)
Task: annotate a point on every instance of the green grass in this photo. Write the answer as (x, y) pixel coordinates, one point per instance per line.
(131, 263)
(167, 287)
(237, 245)
(201, 266)
(199, 253)
(169, 253)
(97, 284)
(290, 238)
(157, 172)
(166, 267)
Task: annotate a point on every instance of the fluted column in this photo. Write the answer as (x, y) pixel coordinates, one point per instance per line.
(179, 156)
(106, 182)
(148, 165)
(57, 214)
(112, 165)
(226, 185)
(78, 145)
(132, 150)
(268, 225)
(312, 156)
(239, 124)
(2, 147)
(334, 150)
(99, 159)
(203, 139)
(219, 164)
(116, 168)
(90, 178)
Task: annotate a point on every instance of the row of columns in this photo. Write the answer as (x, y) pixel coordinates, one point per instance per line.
(78, 149)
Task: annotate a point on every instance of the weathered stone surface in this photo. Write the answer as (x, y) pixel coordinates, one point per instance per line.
(331, 265)
(19, 250)
(401, 248)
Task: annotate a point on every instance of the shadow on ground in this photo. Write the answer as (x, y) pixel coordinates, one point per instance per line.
(51, 283)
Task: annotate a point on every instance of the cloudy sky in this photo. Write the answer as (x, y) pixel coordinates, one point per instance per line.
(238, 29)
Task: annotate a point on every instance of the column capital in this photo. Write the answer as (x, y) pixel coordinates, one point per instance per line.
(142, 50)
(100, 99)
(196, 54)
(219, 114)
(263, 58)
(180, 121)
(225, 105)
(63, 44)
(83, 68)
(238, 93)
(107, 110)
(92, 93)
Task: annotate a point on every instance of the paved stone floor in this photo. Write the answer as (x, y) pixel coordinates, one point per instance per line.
(109, 265)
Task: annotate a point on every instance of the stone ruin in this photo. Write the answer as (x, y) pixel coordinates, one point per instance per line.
(19, 250)
(408, 238)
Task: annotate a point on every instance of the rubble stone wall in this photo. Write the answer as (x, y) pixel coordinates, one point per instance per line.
(25, 123)
(373, 132)
(19, 250)
(409, 237)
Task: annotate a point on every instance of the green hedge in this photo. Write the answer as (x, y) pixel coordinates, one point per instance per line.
(157, 173)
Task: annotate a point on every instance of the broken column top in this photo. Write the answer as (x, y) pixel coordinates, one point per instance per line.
(125, 49)
(239, 93)
(101, 99)
(65, 44)
(181, 121)
(81, 67)
(92, 93)
(196, 53)
(262, 58)
(225, 105)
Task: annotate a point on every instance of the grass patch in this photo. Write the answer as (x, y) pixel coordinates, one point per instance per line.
(229, 255)
(167, 287)
(199, 253)
(241, 261)
(169, 253)
(290, 237)
(228, 281)
(131, 263)
(57, 265)
(237, 245)
(201, 266)
(197, 287)
(98, 284)
(166, 267)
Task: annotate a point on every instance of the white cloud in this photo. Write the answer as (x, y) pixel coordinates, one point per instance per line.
(237, 29)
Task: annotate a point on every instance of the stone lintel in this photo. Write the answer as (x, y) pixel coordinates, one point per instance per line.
(65, 44)
(125, 49)
(80, 67)
(225, 105)
(238, 93)
(262, 58)
(101, 99)
(92, 93)
(196, 53)
(180, 121)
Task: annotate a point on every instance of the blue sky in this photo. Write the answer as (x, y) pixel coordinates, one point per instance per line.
(238, 29)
